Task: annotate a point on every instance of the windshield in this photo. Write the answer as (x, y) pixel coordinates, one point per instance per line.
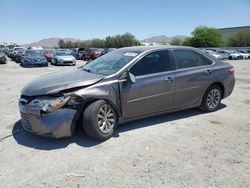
(95, 49)
(17, 48)
(48, 51)
(110, 63)
(62, 53)
(21, 50)
(34, 53)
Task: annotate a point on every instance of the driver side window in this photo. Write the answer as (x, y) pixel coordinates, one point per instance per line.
(154, 62)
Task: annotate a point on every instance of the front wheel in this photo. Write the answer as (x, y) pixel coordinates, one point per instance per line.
(100, 120)
(211, 99)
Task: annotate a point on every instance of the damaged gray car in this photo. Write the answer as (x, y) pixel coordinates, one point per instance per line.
(123, 85)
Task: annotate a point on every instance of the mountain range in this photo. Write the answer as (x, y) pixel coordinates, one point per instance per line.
(53, 42)
(162, 39)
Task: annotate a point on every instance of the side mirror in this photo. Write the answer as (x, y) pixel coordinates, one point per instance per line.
(130, 77)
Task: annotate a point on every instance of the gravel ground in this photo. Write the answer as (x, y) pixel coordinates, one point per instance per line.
(183, 149)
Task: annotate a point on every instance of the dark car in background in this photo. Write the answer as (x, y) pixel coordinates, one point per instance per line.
(2, 56)
(107, 50)
(19, 55)
(34, 58)
(15, 51)
(79, 53)
(123, 85)
(92, 53)
(48, 53)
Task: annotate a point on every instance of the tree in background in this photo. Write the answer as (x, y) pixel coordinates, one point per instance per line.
(176, 41)
(204, 37)
(116, 41)
(61, 43)
(240, 39)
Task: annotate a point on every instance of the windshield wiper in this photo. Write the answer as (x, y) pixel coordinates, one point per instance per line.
(87, 70)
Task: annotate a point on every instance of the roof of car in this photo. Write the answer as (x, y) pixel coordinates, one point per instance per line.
(147, 48)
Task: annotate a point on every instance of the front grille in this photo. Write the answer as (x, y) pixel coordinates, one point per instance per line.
(68, 62)
(26, 122)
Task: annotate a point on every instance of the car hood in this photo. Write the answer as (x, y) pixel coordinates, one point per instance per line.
(36, 57)
(55, 82)
(65, 58)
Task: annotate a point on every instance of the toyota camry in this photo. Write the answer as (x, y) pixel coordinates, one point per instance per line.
(124, 85)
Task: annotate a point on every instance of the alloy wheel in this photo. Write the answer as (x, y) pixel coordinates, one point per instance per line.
(213, 98)
(106, 119)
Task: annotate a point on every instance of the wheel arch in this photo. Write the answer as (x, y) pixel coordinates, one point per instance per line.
(221, 86)
(90, 101)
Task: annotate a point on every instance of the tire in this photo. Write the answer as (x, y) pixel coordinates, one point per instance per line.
(93, 114)
(214, 95)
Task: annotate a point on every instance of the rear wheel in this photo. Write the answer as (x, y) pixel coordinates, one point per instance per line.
(211, 99)
(99, 120)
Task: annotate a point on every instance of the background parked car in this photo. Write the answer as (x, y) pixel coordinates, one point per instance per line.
(233, 55)
(63, 58)
(107, 50)
(34, 58)
(2, 56)
(92, 53)
(79, 53)
(48, 53)
(223, 53)
(14, 52)
(214, 54)
(74, 52)
(19, 55)
(243, 54)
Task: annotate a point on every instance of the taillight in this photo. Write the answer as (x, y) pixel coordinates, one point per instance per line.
(231, 70)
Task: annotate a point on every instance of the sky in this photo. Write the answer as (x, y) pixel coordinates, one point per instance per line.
(26, 21)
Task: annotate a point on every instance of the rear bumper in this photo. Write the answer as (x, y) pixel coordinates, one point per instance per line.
(228, 85)
(60, 123)
(66, 63)
(3, 59)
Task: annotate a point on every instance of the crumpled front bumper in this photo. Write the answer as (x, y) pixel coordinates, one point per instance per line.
(60, 123)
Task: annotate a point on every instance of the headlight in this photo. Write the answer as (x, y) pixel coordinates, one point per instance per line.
(28, 60)
(60, 59)
(50, 104)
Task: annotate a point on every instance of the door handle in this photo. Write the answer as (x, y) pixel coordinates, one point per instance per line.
(169, 79)
(208, 72)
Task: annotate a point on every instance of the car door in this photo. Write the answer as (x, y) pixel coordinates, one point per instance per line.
(153, 90)
(193, 76)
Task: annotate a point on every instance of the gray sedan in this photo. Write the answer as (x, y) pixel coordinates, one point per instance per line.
(124, 85)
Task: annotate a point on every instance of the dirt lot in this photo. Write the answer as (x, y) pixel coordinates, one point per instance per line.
(183, 149)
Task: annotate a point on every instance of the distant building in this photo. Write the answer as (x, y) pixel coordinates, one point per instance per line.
(230, 31)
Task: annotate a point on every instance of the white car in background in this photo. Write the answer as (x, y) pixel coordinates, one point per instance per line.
(233, 55)
(214, 54)
(243, 54)
(63, 58)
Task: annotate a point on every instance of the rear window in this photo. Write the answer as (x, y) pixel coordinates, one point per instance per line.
(96, 49)
(189, 58)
